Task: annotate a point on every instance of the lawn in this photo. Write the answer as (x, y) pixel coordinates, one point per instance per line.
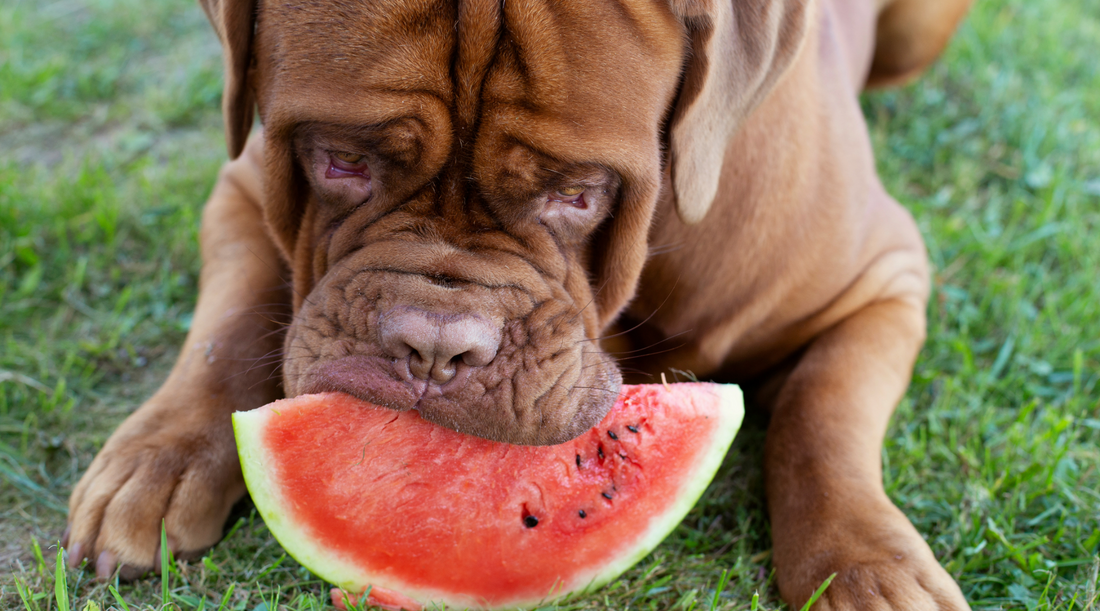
(110, 138)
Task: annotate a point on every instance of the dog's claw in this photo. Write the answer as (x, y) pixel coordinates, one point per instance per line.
(131, 573)
(156, 557)
(105, 565)
(73, 556)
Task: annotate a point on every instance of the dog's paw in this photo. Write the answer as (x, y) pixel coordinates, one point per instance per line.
(901, 585)
(176, 463)
(880, 561)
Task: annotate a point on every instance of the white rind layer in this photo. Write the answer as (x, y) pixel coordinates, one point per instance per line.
(248, 427)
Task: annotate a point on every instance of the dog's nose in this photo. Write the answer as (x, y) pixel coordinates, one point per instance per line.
(435, 343)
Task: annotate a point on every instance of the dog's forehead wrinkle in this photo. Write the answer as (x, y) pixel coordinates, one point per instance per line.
(478, 30)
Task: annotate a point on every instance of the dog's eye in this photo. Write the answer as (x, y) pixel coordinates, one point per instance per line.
(569, 195)
(343, 164)
(350, 158)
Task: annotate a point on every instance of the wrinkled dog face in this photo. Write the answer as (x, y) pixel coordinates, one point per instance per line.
(464, 193)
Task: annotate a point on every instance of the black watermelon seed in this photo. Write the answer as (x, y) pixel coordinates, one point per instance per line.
(578, 460)
(599, 452)
(607, 496)
(632, 429)
(530, 521)
(622, 456)
(612, 435)
(582, 514)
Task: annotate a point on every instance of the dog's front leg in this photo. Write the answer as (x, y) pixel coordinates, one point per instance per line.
(175, 458)
(829, 511)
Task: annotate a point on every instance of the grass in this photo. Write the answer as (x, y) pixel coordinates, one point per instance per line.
(109, 142)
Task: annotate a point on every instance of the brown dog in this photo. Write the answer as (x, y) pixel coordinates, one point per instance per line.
(467, 195)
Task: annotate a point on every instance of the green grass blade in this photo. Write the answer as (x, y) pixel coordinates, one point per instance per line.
(270, 568)
(820, 590)
(118, 598)
(165, 556)
(723, 579)
(236, 526)
(225, 599)
(25, 594)
(359, 603)
(39, 559)
(18, 478)
(60, 585)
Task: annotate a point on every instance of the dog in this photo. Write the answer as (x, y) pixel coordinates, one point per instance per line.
(466, 208)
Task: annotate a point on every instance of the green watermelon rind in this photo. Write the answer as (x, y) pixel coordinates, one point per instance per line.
(248, 428)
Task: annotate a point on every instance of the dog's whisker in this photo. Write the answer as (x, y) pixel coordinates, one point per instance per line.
(621, 368)
(647, 319)
(590, 301)
(667, 248)
(270, 304)
(597, 388)
(645, 348)
(288, 283)
(270, 353)
(640, 356)
(271, 333)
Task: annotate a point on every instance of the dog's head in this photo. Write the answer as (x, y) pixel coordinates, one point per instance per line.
(463, 189)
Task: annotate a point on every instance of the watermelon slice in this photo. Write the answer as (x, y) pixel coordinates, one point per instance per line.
(366, 496)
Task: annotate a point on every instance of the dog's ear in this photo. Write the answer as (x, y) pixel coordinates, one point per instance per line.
(739, 50)
(234, 21)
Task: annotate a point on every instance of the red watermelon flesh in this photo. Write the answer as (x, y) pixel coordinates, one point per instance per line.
(366, 496)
